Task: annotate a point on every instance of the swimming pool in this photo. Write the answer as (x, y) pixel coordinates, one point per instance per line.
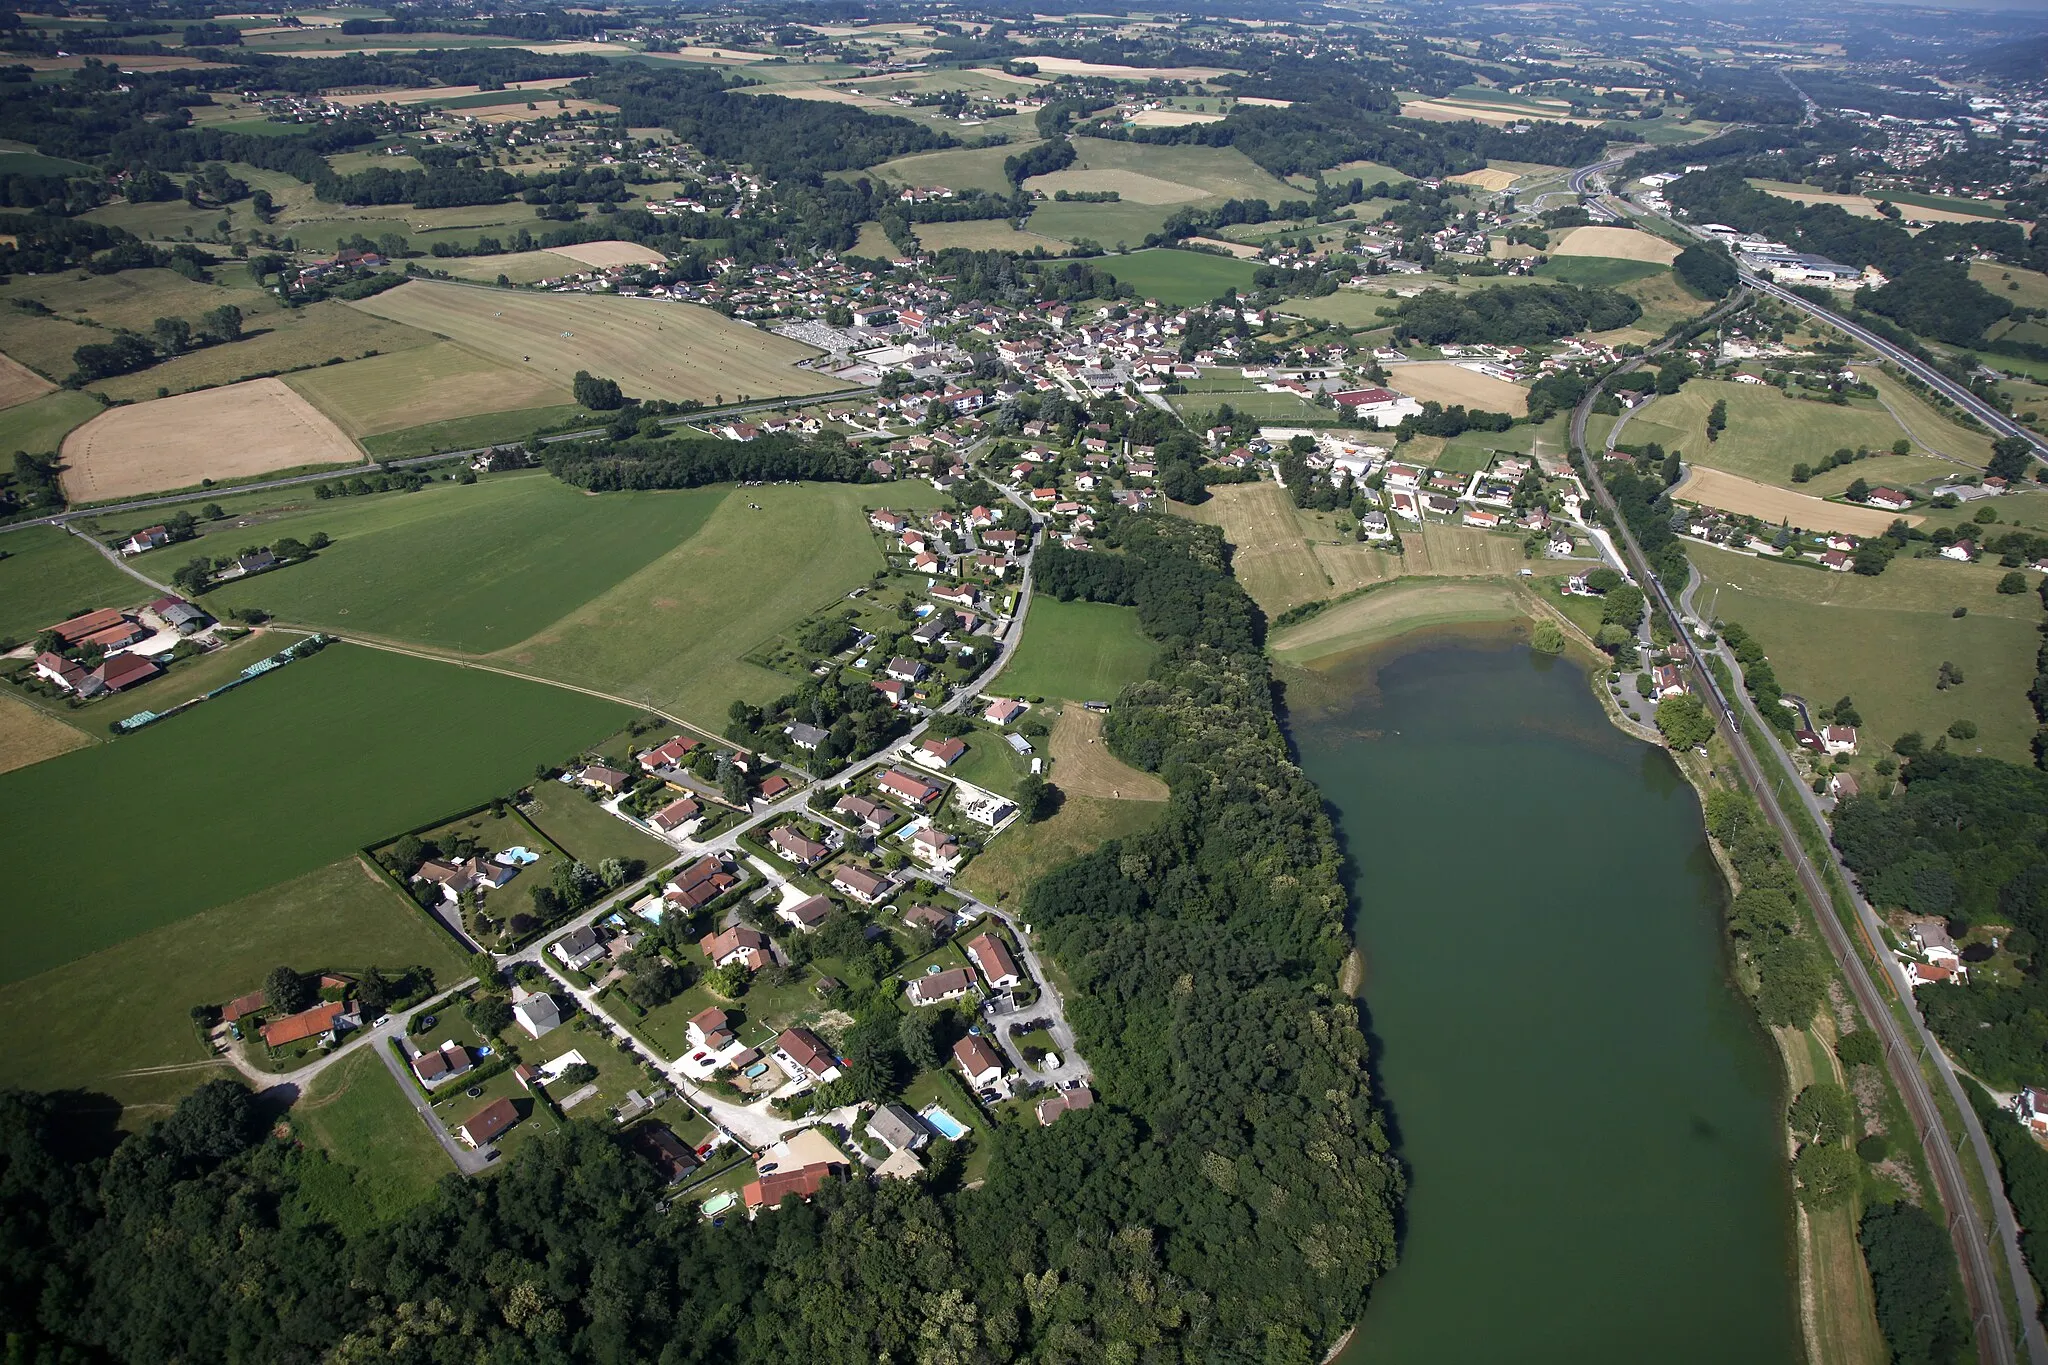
(943, 1123)
(756, 1071)
(719, 1203)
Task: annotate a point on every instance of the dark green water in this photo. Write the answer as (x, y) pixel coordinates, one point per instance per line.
(1587, 1108)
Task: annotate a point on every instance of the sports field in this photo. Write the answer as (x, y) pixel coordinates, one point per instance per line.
(676, 633)
(19, 384)
(29, 735)
(220, 434)
(1801, 511)
(654, 350)
(1769, 432)
(1882, 640)
(1392, 611)
(48, 575)
(98, 1021)
(262, 785)
(1447, 383)
(1080, 651)
(435, 383)
(1179, 277)
(1621, 244)
(463, 567)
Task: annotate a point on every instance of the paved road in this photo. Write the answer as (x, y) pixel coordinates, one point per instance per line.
(472, 452)
(1980, 1282)
(468, 1160)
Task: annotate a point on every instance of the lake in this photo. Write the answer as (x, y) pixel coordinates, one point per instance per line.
(1589, 1112)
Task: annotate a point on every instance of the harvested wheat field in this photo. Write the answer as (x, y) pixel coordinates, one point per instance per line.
(1074, 66)
(1082, 764)
(653, 349)
(1861, 206)
(1134, 186)
(255, 427)
(1746, 497)
(19, 384)
(602, 254)
(1447, 111)
(1172, 118)
(30, 736)
(1488, 179)
(1443, 382)
(427, 93)
(1620, 244)
(1243, 251)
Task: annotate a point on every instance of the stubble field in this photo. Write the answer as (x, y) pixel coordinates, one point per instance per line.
(1746, 497)
(1446, 383)
(19, 384)
(221, 434)
(654, 350)
(435, 383)
(1621, 244)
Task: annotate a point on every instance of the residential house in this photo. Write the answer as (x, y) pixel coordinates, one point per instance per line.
(538, 1014)
(667, 755)
(791, 844)
(444, 1063)
(1889, 499)
(487, 1124)
(897, 1128)
(906, 670)
(873, 815)
(1963, 551)
(805, 736)
(862, 884)
(804, 1056)
(909, 787)
(809, 913)
(771, 1189)
(2031, 1104)
(897, 692)
(1003, 710)
(1919, 974)
(934, 845)
(657, 1145)
(936, 988)
(1839, 739)
(72, 677)
(578, 948)
(675, 815)
(326, 1020)
(711, 1028)
(1931, 937)
(149, 538)
(940, 753)
(748, 947)
(1060, 1101)
(1842, 786)
(993, 960)
(701, 883)
(978, 1061)
(608, 780)
(1837, 561)
(923, 916)
(123, 671)
(1668, 681)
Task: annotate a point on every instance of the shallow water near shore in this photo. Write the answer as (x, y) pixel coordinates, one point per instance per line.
(1587, 1108)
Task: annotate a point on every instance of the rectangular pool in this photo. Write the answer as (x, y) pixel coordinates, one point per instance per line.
(943, 1123)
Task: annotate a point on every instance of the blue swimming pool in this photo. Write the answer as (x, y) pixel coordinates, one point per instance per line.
(756, 1071)
(943, 1123)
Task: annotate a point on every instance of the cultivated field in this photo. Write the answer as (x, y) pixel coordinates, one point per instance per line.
(290, 773)
(1447, 384)
(48, 575)
(675, 634)
(1746, 497)
(1135, 186)
(1862, 206)
(1392, 611)
(116, 1021)
(1457, 111)
(654, 350)
(435, 383)
(1769, 432)
(1079, 651)
(1084, 766)
(610, 253)
(220, 434)
(1488, 179)
(1882, 640)
(983, 235)
(1069, 66)
(19, 384)
(1179, 277)
(1623, 244)
(28, 735)
(469, 568)
(441, 94)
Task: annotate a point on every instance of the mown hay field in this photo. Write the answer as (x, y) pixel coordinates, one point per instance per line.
(29, 735)
(19, 384)
(40, 425)
(1078, 651)
(1859, 205)
(610, 253)
(1881, 641)
(220, 434)
(290, 773)
(1746, 497)
(653, 349)
(1621, 244)
(1446, 383)
(49, 575)
(435, 383)
(1082, 764)
(983, 235)
(1487, 179)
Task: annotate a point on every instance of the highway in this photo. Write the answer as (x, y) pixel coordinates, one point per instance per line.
(1966, 1229)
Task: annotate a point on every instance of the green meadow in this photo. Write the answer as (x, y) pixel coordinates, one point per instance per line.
(1082, 651)
(1179, 277)
(264, 784)
(469, 567)
(48, 575)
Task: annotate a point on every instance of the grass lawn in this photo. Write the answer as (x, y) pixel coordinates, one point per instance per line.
(264, 784)
(1180, 277)
(1352, 307)
(590, 832)
(387, 1160)
(1599, 270)
(1768, 433)
(469, 567)
(1082, 651)
(1880, 641)
(48, 575)
(125, 1008)
(992, 764)
(1024, 853)
(40, 425)
(677, 633)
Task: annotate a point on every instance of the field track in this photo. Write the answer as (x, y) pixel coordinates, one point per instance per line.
(653, 349)
(1746, 497)
(228, 433)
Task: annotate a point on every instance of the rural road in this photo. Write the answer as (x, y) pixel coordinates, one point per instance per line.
(1980, 1281)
